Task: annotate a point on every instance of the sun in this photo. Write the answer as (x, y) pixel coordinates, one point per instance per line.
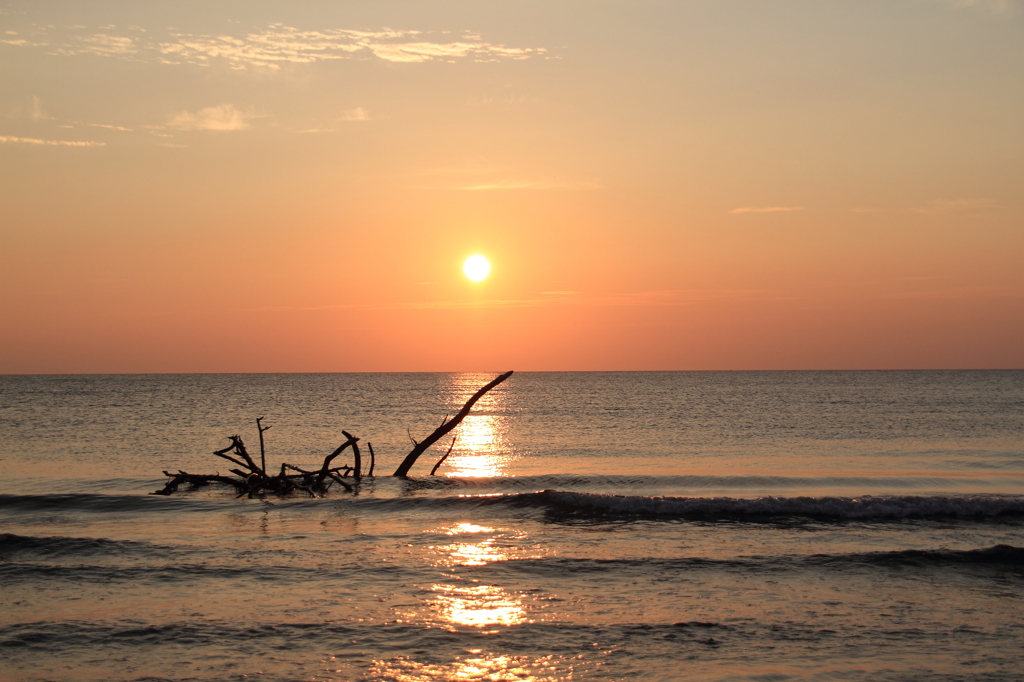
(477, 268)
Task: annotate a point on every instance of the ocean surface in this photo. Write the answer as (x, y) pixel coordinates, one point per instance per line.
(587, 526)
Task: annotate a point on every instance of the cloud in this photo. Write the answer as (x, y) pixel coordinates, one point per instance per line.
(55, 143)
(423, 51)
(280, 44)
(10, 39)
(767, 209)
(270, 47)
(222, 117)
(102, 44)
(106, 45)
(357, 114)
(31, 108)
(948, 206)
(37, 113)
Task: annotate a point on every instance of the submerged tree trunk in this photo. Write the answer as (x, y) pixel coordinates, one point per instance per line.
(443, 429)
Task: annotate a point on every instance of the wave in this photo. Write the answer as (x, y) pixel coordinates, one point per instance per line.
(398, 637)
(612, 482)
(101, 503)
(112, 640)
(1000, 557)
(59, 547)
(565, 505)
(864, 508)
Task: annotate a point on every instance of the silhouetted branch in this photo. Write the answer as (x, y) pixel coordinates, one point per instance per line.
(441, 431)
(263, 451)
(441, 461)
(329, 458)
(252, 479)
(357, 470)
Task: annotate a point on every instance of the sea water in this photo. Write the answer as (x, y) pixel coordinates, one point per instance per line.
(587, 526)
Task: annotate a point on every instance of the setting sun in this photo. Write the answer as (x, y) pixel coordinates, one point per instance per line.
(477, 268)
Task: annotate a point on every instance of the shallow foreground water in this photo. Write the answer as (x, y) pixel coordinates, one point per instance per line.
(705, 526)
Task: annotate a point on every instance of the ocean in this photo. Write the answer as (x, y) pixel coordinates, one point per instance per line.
(761, 526)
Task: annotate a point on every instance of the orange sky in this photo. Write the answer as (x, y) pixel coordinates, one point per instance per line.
(293, 186)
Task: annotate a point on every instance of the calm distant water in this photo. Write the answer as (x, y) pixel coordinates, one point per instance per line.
(681, 525)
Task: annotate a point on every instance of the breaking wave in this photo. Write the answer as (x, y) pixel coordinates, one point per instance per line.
(838, 508)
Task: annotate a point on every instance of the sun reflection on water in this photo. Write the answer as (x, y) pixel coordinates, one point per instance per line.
(482, 448)
(494, 545)
(458, 603)
(471, 553)
(464, 527)
(468, 603)
(479, 554)
(477, 666)
(477, 605)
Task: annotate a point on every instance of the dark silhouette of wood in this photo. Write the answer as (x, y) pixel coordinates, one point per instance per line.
(357, 470)
(239, 448)
(263, 450)
(251, 479)
(441, 461)
(330, 458)
(197, 480)
(445, 427)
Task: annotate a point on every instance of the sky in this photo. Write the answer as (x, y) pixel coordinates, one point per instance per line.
(658, 185)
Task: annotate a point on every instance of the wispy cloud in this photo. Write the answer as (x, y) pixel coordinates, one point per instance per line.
(74, 40)
(221, 117)
(949, 206)
(36, 113)
(54, 143)
(12, 38)
(271, 47)
(280, 44)
(105, 45)
(31, 108)
(767, 209)
(357, 114)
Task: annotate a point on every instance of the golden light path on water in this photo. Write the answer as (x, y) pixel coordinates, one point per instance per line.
(476, 666)
(475, 604)
(482, 448)
(486, 608)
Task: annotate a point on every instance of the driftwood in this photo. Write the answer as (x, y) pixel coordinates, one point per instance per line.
(433, 471)
(252, 479)
(446, 426)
